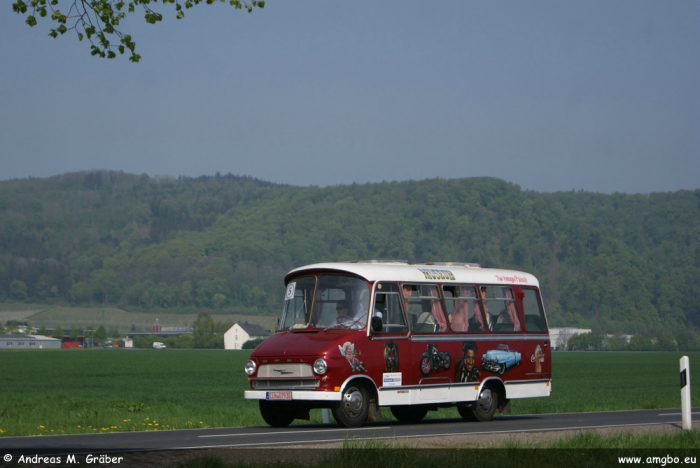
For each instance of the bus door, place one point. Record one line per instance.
(393, 336)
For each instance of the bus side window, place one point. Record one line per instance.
(388, 303)
(501, 311)
(463, 309)
(424, 308)
(534, 315)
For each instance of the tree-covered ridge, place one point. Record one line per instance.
(617, 263)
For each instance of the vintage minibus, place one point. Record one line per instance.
(356, 336)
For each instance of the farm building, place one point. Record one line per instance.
(29, 342)
(559, 337)
(239, 333)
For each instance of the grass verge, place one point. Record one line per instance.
(116, 390)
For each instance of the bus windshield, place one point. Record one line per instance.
(325, 301)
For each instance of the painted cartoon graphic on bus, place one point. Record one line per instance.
(500, 359)
(434, 360)
(466, 369)
(348, 351)
(538, 358)
(391, 357)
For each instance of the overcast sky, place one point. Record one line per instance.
(598, 95)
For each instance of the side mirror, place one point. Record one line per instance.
(376, 324)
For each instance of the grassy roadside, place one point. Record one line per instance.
(115, 390)
(585, 449)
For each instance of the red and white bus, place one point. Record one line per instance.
(357, 336)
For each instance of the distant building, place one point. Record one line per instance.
(29, 342)
(239, 333)
(559, 337)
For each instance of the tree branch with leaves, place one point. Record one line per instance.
(98, 20)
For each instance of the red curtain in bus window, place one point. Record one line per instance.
(406, 294)
(468, 291)
(436, 308)
(512, 312)
(460, 314)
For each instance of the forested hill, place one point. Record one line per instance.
(627, 263)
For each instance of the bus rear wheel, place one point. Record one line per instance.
(277, 414)
(409, 414)
(483, 408)
(352, 409)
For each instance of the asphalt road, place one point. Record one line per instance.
(298, 435)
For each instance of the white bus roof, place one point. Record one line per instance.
(423, 272)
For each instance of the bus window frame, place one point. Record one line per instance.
(404, 313)
(475, 300)
(438, 298)
(540, 304)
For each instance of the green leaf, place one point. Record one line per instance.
(19, 7)
(31, 21)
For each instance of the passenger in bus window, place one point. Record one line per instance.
(436, 310)
(503, 322)
(476, 322)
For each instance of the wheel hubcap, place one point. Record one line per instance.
(352, 402)
(485, 400)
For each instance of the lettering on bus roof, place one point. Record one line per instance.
(512, 279)
(433, 274)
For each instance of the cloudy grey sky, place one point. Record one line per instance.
(597, 95)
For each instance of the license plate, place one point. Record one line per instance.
(279, 395)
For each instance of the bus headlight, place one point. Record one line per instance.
(250, 367)
(320, 366)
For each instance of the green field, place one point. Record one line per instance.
(102, 390)
(68, 318)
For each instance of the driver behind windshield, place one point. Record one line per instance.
(346, 319)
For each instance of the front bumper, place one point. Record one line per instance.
(308, 395)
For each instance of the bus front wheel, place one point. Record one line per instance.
(483, 408)
(277, 414)
(353, 408)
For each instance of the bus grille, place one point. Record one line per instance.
(287, 370)
(285, 384)
(285, 376)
